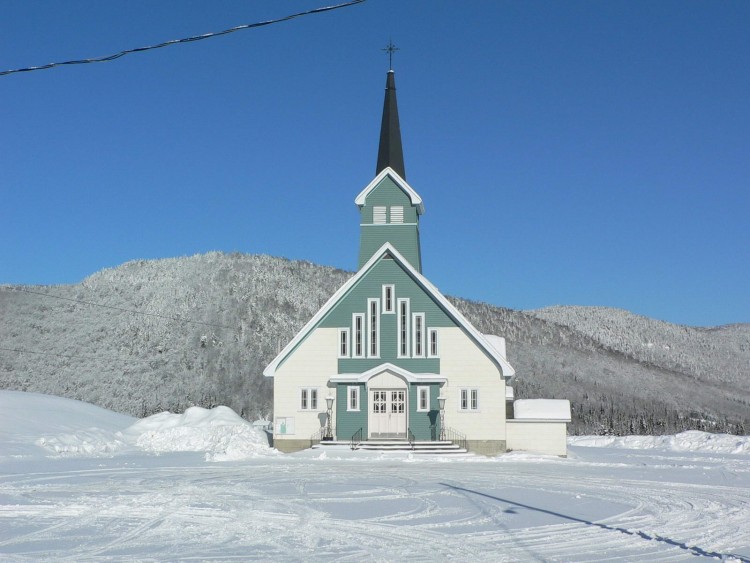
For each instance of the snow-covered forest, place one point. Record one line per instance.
(158, 335)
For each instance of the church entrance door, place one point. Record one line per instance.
(387, 413)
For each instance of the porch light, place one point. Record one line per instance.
(441, 404)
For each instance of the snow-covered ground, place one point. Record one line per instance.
(80, 483)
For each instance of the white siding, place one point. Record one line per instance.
(537, 436)
(311, 365)
(464, 364)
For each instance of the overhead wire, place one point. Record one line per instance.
(183, 40)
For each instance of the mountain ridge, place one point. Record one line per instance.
(206, 325)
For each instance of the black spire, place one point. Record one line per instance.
(390, 152)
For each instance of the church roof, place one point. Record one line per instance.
(414, 197)
(387, 249)
(390, 151)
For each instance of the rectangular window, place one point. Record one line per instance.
(397, 214)
(373, 329)
(308, 399)
(343, 343)
(388, 292)
(403, 328)
(423, 399)
(469, 399)
(378, 214)
(352, 401)
(418, 336)
(358, 322)
(433, 343)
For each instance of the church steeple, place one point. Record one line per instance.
(390, 152)
(389, 207)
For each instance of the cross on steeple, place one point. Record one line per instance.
(390, 49)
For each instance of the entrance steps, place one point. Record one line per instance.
(417, 447)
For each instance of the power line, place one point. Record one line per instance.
(121, 309)
(183, 40)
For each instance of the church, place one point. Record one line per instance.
(389, 360)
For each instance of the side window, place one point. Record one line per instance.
(469, 400)
(352, 402)
(423, 399)
(308, 399)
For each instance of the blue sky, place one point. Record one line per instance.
(576, 153)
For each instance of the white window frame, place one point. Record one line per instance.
(373, 332)
(433, 351)
(404, 336)
(418, 335)
(420, 390)
(362, 342)
(352, 391)
(468, 399)
(344, 344)
(398, 211)
(379, 214)
(389, 288)
(308, 399)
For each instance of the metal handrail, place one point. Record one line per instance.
(316, 438)
(356, 439)
(456, 437)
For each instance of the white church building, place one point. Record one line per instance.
(388, 359)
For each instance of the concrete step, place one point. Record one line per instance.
(419, 447)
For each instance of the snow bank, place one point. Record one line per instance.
(691, 440)
(30, 421)
(219, 432)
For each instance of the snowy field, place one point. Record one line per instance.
(79, 483)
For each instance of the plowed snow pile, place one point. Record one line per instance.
(71, 428)
(219, 432)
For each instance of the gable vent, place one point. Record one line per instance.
(378, 214)
(397, 214)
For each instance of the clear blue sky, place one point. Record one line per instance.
(577, 153)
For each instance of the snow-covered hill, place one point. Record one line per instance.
(158, 491)
(206, 326)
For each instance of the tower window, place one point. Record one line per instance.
(373, 306)
(418, 336)
(359, 345)
(388, 291)
(432, 343)
(403, 328)
(343, 343)
(378, 214)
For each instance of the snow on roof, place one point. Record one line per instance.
(541, 409)
(497, 342)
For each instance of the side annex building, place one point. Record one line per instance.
(393, 358)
